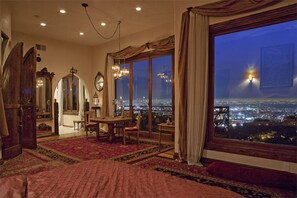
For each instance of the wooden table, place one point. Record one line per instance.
(110, 121)
(166, 128)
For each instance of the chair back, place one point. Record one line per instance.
(138, 121)
(126, 113)
(88, 115)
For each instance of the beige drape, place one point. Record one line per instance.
(194, 46)
(197, 86)
(164, 44)
(182, 74)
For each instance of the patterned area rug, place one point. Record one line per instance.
(199, 174)
(29, 162)
(72, 150)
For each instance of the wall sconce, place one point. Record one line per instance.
(251, 78)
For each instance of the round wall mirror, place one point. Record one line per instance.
(99, 82)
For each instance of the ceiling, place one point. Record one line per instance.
(28, 14)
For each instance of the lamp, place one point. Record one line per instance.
(95, 99)
(39, 83)
(118, 73)
(251, 78)
(73, 71)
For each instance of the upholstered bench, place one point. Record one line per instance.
(254, 175)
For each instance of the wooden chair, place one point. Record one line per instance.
(91, 127)
(134, 129)
(120, 126)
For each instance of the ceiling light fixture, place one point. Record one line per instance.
(85, 5)
(62, 11)
(118, 73)
(81, 33)
(43, 24)
(138, 9)
(103, 24)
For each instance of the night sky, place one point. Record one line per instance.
(269, 52)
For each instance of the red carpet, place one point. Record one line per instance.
(199, 174)
(81, 148)
(28, 162)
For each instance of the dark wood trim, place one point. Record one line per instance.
(150, 87)
(11, 152)
(130, 89)
(269, 151)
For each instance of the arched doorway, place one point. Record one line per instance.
(70, 93)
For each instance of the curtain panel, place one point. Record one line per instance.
(128, 52)
(182, 75)
(192, 132)
(232, 7)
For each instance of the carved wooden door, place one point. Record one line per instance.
(11, 98)
(28, 99)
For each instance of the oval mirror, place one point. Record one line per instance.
(99, 82)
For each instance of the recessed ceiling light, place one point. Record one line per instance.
(103, 24)
(62, 11)
(81, 33)
(138, 8)
(43, 24)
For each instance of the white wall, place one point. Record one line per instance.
(180, 7)
(59, 58)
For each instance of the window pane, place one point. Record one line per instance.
(161, 90)
(140, 91)
(122, 88)
(75, 90)
(256, 84)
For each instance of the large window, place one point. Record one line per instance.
(149, 88)
(70, 94)
(254, 86)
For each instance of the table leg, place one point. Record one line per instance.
(111, 135)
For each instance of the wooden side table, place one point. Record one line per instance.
(78, 122)
(164, 127)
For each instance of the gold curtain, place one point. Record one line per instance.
(128, 52)
(182, 74)
(232, 7)
(217, 9)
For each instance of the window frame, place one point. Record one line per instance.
(269, 151)
(70, 111)
(149, 56)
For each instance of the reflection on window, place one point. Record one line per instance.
(161, 90)
(256, 84)
(140, 91)
(122, 92)
(153, 72)
(70, 94)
